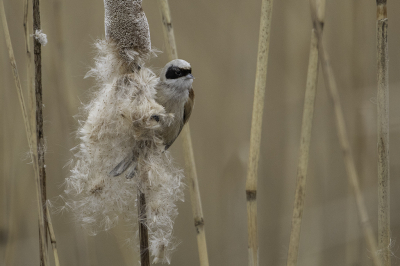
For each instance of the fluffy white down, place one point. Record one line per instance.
(41, 37)
(118, 119)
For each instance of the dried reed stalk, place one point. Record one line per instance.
(31, 90)
(187, 145)
(256, 125)
(15, 70)
(30, 134)
(143, 231)
(383, 134)
(37, 48)
(195, 196)
(169, 35)
(32, 113)
(8, 184)
(330, 83)
(26, 26)
(52, 237)
(306, 126)
(359, 140)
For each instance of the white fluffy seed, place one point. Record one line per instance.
(41, 37)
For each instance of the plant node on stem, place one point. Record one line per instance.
(256, 125)
(305, 139)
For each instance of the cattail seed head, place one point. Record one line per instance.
(117, 121)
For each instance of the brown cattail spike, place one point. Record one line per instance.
(126, 25)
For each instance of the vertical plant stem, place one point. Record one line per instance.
(52, 237)
(306, 126)
(31, 92)
(14, 69)
(383, 135)
(26, 27)
(30, 134)
(256, 126)
(11, 219)
(143, 232)
(169, 35)
(187, 145)
(195, 197)
(359, 139)
(39, 114)
(330, 83)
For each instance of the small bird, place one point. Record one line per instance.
(176, 95)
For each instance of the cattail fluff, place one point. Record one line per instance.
(40, 36)
(118, 120)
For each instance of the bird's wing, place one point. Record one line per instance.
(187, 111)
(188, 107)
(123, 165)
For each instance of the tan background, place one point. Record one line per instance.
(219, 39)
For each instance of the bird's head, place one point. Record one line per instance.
(177, 74)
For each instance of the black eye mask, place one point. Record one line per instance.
(174, 72)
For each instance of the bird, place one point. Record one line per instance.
(175, 93)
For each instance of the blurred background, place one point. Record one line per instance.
(219, 39)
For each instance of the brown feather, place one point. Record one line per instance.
(188, 107)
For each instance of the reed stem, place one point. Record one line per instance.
(143, 231)
(256, 126)
(306, 126)
(31, 91)
(187, 145)
(195, 197)
(169, 35)
(383, 134)
(52, 237)
(37, 48)
(26, 26)
(30, 134)
(8, 181)
(330, 84)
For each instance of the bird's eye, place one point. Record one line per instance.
(178, 72)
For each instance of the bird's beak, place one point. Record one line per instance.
(189, 76)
